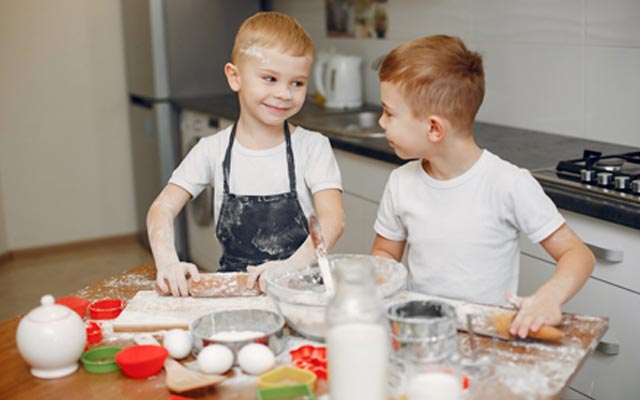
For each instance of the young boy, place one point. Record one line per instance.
(460, 208)
(268, 176)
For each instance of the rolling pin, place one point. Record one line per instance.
(229, 284)
(502, 322)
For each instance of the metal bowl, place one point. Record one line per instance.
(300, 295)
(229, 326)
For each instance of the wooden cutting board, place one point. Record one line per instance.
(148, 311)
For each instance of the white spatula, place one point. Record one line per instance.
(321, 252)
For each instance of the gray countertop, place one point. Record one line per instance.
(525, 148)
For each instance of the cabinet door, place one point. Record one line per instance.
(572, 394)
(605, 375)
(363, 176)
(358, 231)
(615, 247)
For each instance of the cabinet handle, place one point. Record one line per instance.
(608, 348)
(614, 256)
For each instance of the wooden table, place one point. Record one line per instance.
(16, 382)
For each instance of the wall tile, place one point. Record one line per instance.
(612, 23)
(613, 94)
(533, 86)
(409, 19)
(534, 56)
(540, 21)
(310, 13)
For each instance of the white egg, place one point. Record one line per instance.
(215, 359)
(178, 343)
(256, 358)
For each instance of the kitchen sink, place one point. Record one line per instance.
(360, 124)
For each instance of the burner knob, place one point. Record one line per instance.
(635, 186)
(587, 175)
(621, 182)
(604, 178)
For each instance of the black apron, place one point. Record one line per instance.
(255, 229)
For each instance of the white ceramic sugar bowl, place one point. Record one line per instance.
(51, 339)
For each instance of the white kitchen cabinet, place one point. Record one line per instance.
(363, 181)
(363, 176)
(610, 372)
(572, 394)
(616, 248)
(358, 231)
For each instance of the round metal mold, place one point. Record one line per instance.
(422, 330)
(271, 324)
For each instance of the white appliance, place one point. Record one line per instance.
(174, 48)
(203, 247)
(338, 78)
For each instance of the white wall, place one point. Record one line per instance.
(65, 163)
(569, 67)
(3, 231)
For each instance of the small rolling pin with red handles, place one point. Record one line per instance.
(228, 284)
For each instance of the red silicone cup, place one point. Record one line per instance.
(94, 332)
(107, 308)
(312, 359)
(77, 304)
(321, 372)
(141, 361)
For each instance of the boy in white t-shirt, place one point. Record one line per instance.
(459, 208)
(268, 176)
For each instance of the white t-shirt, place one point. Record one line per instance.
(462, 233)
(260, 172)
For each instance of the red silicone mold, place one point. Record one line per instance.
(77, 304)
(141, 361)
(312, 359)
(107, 308)
(94, 332)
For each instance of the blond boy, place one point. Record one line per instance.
(459, 209)
(268, 176)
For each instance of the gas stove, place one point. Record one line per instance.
(614, 176)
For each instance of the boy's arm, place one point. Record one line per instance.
(384, 247)
(171, 270)
(575, 262)
(330, 212)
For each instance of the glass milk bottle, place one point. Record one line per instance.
(357, 339)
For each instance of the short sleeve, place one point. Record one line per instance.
(388, 222)
(535, 214)
(195, 172)
(322, 171)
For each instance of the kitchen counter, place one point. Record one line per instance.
(528, 369)
(525, 148)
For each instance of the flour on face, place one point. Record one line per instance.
(255, 52)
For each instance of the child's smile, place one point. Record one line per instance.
(272, 85)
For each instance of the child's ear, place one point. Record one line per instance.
(437, 128)
(233, 79)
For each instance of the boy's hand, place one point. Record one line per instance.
(533, 312)
(176, 274)
(256, 274)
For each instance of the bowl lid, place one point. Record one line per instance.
(48, 311)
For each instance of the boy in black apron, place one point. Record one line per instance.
(268, 176)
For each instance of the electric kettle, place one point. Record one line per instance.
(338, 79)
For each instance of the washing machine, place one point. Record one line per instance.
(203, 248)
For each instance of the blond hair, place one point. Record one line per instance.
(437, 75)
(272, 30)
